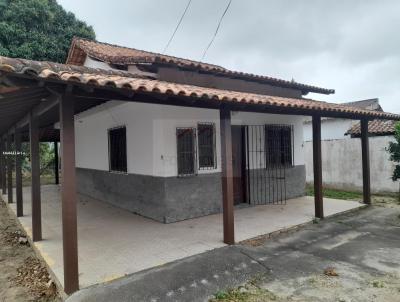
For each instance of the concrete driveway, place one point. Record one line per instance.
(113, 242)
(363, 247)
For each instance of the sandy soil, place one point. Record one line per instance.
(22, 275)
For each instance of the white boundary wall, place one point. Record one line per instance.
(342, 166)
(331, 128)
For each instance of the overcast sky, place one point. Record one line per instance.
(352, 46)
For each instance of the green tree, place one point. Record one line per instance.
(46, 153)
(38, 30)
(394, 151)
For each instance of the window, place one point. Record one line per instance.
(186, 156)
(119, 67)
(206, 145)
(117, 149)
(278, 140)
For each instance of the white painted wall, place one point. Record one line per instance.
(342, 166)
(144, 136)
(151, 134)
(330, 129)
(89, 62)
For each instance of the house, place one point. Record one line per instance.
(336, 128)
(340, 140)
(167, 138)
(174, 173)
(375, 128)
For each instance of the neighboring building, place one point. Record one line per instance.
(375, 128)
(336, 128)
(341, 140)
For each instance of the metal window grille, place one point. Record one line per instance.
(186, 151)
(117, 149)
(269, 152)
(206, 146)
(278, 145)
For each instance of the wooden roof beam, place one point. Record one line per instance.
(40, 109)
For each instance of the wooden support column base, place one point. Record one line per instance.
(365, 162)
(227, 176)
(317, 160)
(18, 174)
(68, 195)
(35, 179)
(9, 169)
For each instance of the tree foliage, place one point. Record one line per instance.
(46, 153)
(38, 29)
(394, 151)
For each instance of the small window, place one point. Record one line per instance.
(206, 145)
(117, 149)
(279, 146)
(186, 156)
(119, 67)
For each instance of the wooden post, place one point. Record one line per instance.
(35, 179)
(9, 168)
(1, 164)
(317, 160)
(227, 176)
(68, 194)
(18, 173)
(4, 165)
(56, 169)
(365, 161)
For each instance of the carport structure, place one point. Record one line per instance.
(36, 95)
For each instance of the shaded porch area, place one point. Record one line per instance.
(114, 242)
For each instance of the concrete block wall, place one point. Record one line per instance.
(266, 190)
(140, 194)
(342, 165)
(168, 199)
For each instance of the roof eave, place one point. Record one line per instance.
(215, 70)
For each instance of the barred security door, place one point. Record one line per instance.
(269, 150)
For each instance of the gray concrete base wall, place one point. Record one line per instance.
(296, 181)
(168, 199)
(140, 194)
(267, 186)
(193, 196)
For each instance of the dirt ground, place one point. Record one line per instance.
(22, 275)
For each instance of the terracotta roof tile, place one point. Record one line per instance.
(120, 55)
(123, 55)
(129, 81)
(375, 127)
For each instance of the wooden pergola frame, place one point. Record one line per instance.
(66, 96)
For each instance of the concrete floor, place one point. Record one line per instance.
(114, 242)
(363, 247)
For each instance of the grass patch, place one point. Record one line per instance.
(245, 294)
(44, 180)
(250, 292)
(336, 194)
